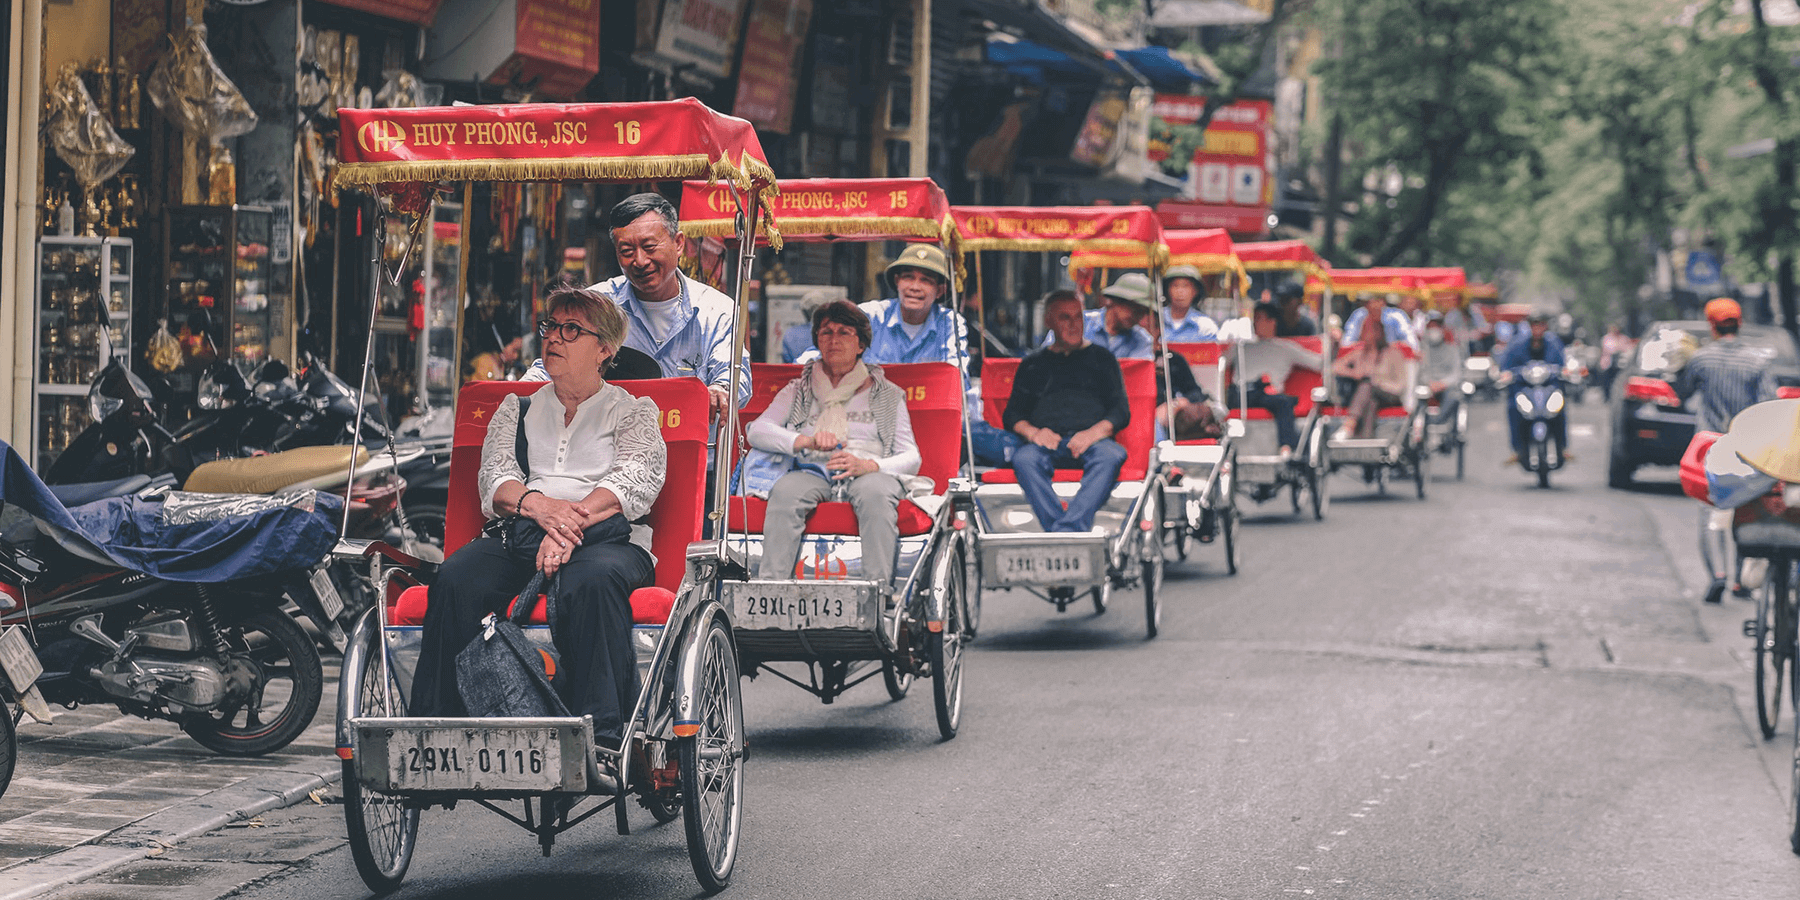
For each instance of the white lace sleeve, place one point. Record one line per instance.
(641, 462)
(499, 464)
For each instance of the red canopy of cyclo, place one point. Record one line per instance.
(660, 141)
(1207, 249)
(1426, 283)
(1127, 230)
(1284, 256)
(830, 209)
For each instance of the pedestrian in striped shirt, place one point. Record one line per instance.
(1729, 376)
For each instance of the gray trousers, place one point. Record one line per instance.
(876, 497)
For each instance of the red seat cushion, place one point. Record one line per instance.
(1199, 442)
(1008, 476)
(831, 517)
(649, 606)
(1386, 412)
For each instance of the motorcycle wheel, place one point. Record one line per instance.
(9, 747)
(426, 520)
(1540, 460)
(292, 680)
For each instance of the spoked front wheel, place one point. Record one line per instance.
(712, 762)
(945, 647)
(382, 829)
(1229, 522)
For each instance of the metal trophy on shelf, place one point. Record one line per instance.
(83, 139)
(188, 86)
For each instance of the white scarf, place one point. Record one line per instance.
(833, 400)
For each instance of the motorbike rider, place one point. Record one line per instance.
(1728, 375)
(1614, 346)
(1540, 345)
(1443, 366)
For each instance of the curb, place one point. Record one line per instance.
(130, 843)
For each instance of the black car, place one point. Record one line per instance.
(1651, 424)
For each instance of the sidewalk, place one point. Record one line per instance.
(99, 790)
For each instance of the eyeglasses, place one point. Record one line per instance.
(568, 331)
(840, 334)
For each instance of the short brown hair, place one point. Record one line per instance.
(1061, 295)
(606, 317)
(843, 312)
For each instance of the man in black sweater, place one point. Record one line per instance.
(1067, 402)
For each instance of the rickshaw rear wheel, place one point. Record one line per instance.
(1321, 492)
(712, 763)
(945, 649)
(382, 830)
(1229, 525)
(1421, 473)
(897, 682)
(1100, 599)
(1459, 459)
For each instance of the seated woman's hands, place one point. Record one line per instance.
(562, 520)
(849, 465)
(824, 440)
(552, 553)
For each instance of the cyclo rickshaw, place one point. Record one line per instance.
(1399, 450)
(1264, 475)
(1759, 481)
(1125, 547)
(1199, 473)
(843, 628)
(683, 749)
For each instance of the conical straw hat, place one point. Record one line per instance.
(1767, 438)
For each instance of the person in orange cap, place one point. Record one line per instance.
(1729, 377)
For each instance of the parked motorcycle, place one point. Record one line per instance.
(1540, 401)
(181, 621)
(127, 450)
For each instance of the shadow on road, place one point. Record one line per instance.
(1083, 632)
(839, 740)
(1655, 488)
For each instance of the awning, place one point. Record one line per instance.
(1151, 65)
(1028, 19)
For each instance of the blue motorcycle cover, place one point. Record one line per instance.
(187, 537)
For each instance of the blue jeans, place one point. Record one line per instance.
(1099, 466)
(993, 447)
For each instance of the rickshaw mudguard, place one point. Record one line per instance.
(687, 667)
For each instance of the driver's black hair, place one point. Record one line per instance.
(632, 208)
(1265, 308)
(1726, 326)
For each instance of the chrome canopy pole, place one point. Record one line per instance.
(362, 392)
(751, 204)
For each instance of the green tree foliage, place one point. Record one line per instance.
(1428, 92)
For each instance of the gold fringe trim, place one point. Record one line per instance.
(1157, 253)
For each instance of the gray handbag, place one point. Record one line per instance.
(502, 673)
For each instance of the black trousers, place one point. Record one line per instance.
(590, 625)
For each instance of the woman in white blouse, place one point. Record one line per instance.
(585, 467)
(846, 419)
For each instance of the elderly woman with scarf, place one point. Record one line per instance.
(848, 427)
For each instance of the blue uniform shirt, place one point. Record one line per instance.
(1190, 330)
(699, 345)
(1133, 344)
(1399, 330)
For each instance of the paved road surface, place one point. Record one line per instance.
(1497, 692)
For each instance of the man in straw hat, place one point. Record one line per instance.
(1729, 377)
(1115, 326)
(1181, 323)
